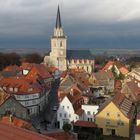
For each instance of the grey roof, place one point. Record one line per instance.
(79, 54)
(58, 19)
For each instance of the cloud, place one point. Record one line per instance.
(82, 19)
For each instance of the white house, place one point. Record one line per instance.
(70, 109)
(89, 112)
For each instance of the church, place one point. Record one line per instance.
(64, 59)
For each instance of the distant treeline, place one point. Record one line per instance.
(7, 59)
(133, 59)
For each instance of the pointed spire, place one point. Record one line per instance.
(58, 19)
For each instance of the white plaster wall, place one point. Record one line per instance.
(93, 109)
(70, 115)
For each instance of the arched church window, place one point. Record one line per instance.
(61, 44)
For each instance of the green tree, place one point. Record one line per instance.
(67, 127)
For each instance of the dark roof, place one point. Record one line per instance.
(58, 19)
(79, 54)
(85, 124)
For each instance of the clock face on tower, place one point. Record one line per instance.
(61, 53)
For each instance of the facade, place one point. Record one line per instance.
(12, 106)
(90, 112)
(101, 83)
(30, 88)
(70, 109)
(62, 58)
(115, 116)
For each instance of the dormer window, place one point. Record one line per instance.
(15, 89)
(10, 89)
(30, 89)
(4, 88)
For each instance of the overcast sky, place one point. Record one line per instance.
(87, 23)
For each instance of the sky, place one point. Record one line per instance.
(86, 23)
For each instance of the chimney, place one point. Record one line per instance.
(71, 92)
(11, 118)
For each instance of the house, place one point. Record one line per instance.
(9, 132)
(132, 90)
(70, 108)
(116, 115)
(119, 67)
(71, 83)
(134, 74)
(11, 106)
(90, 112)
(29, 92)
(102, 82)
(137, 127)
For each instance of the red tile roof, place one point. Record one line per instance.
(38, 69)
(22, 84)
(61, 135)
(12, 68)
(85, 124)
(8, 132)
(11, 120)
(122, 68)
(52, 69)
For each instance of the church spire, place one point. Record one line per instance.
(58, 19)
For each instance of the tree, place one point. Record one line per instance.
(114, 72)
(33, 58)
(67, 127)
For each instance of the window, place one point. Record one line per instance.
(60, 115)
(61, 44)
(90, 119)
(34, 102)
(107, 114)
(63, 107)
(122, 124)
(118, 115)
(26, 103)
(11, 89)
(15, 89)
(26, 96)
(107, 122)
(30, 89)
(67, 107)
(69, 115)
(4, 88)
(88, 112)
(65, 115)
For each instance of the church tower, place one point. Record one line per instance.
(59, 45)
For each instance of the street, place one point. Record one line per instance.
(45, 121)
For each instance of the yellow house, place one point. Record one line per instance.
(115, 116)
(137, 128)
